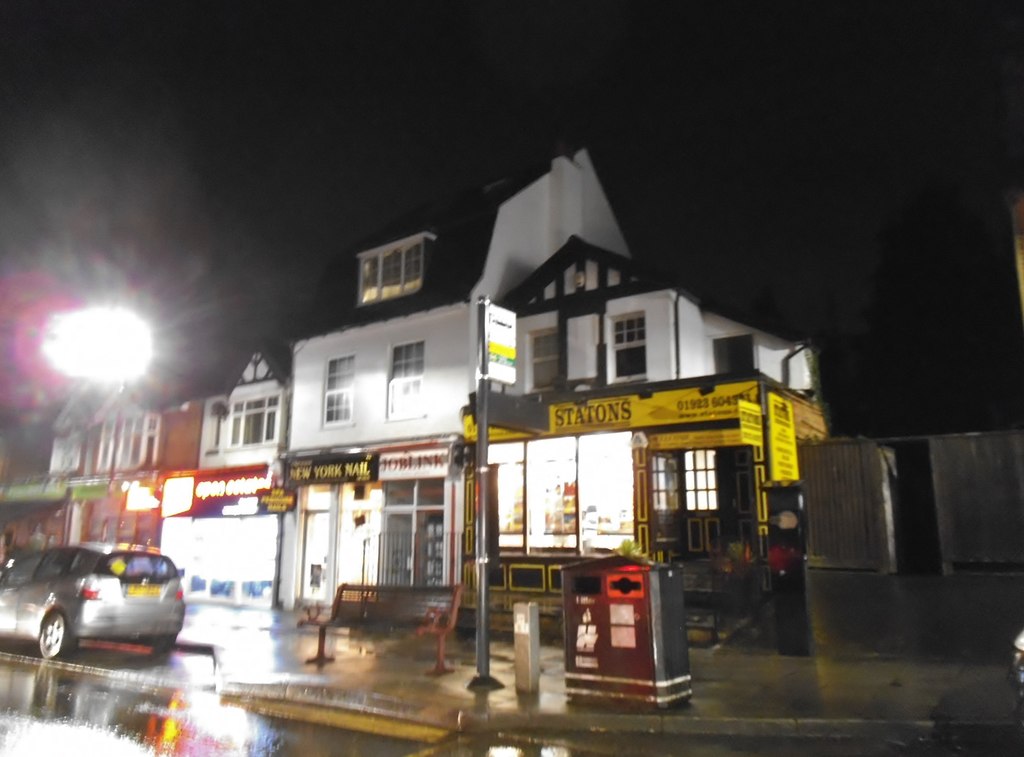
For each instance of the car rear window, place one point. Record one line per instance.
(137, 567)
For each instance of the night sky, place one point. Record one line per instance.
(202, 161)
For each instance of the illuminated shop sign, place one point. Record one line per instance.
(337, 469)
(228, 493)
(418, 463)
(693, 404)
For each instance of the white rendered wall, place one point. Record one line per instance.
(532, 225)
(657, 308)
(213, 455)
(769, 351)
(694, 352)
(583, 333)
(447, 379)
(290, 555)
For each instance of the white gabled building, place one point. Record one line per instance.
(380, 430)
(221, 524)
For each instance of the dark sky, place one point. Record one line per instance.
(203, 160)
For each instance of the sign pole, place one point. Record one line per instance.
(483, 679)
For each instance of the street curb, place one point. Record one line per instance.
(283, 699)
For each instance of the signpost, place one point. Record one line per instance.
(497, 336)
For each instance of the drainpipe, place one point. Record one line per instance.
(675, 327)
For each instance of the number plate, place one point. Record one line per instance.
(143, 590)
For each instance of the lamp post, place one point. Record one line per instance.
(106, 346)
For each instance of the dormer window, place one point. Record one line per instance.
(391, 271)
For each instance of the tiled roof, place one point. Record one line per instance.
(462, 227)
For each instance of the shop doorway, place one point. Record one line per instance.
(718, 500)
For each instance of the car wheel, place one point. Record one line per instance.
(164, 643)
(55, 637)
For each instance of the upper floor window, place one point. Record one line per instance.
(392, 272)
(406, 383)
(544, 358)
(734, 354)
(135, 438)
(254, 421)
(339, 390)
(629, 340)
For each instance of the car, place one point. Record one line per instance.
(116, 592)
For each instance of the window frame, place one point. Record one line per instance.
(348, 388)
(630, 345)
(376, 266)
(244, 409)
(535, 336)
(397, 408)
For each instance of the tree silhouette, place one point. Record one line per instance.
(944, 351)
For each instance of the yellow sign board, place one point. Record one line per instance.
(694, 404)
(751, 426)
(783, 465)
(749, 433)
(716, 437)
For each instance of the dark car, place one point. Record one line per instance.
(91, 591)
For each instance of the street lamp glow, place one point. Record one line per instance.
(99, 344)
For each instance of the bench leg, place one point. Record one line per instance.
(440, 667)
(321, 652)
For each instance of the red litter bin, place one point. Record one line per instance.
(625, 631)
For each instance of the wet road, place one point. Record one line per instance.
(46, 710)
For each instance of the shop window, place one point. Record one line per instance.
(506, 460)
(605, 490)
(629, 341)
(734, 354)
(339, 390)
(700, 479)
(551, 503)
(406, 382)
(544, 358)
(254, 421)
(393, 272)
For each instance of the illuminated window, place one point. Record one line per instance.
(392, 272)
(507, 460)
(406, 384)
(254, 421)
(701, 484)
(339, 390)
(629, 341)
(551, 507)
(606, 489)
(544, 358)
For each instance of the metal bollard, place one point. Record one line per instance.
(527, 646)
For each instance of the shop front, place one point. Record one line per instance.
(675, 471)
(383, 516)
(223, 529)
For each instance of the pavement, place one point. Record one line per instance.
(895, 656)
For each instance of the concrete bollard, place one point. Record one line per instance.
(527, 646)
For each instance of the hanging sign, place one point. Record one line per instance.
(501, 344)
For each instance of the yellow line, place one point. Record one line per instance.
(351, 721)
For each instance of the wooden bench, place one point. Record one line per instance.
(425, 609)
